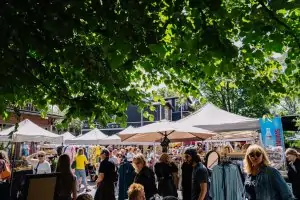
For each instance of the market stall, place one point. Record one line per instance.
(25, 137)
(68, 136)
(94, 136)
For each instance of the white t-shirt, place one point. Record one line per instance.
(130, 156)
(42, 168)
(114, 160)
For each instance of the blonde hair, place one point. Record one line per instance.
(134, 190)
(140, 158)
(85, 196)
(248, 168)
(164, 158)
(41, 153)
(291, 151)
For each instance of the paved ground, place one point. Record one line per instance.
(92, 186)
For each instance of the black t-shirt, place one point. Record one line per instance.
(187, 170)
(200, 175)
(108, 169)
(163, 170)
(146, 178)
(250, 185)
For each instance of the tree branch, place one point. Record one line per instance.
(274, 17)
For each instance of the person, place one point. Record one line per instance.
(4, 163)
(66, 187)
(113, 158)
(40, 165)
(144, 175)
(85, 196)
(186, 183)
(126, 178)
(199, 175)
(106, 178)
(80, 172)
(167, 175)
(136, 192)
(293, 158)
(129, 154)
(262, 180)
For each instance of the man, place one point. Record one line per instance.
(199, 175)
(186, 183)
(106, 178)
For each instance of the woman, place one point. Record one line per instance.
(167, 175)
(81, 161)
(4, 164)
(136, 192)
(106, 178)
(263, 182)
(66, 181)
(145, 176)
(186, 183)
(293, 158)
(40, 165)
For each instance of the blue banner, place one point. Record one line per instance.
(271, 132)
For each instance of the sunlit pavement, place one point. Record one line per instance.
(92, 187)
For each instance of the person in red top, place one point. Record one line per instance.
(4, 163)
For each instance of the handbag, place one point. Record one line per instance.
(6, 173)
(73, 166)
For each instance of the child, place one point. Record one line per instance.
(85, 197)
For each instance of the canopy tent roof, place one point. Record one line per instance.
(116, 140)
(92, 137)
(68, 136)
(212, 118)
(156, 131)
(30, 132)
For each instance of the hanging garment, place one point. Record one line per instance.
(226, 183)
(126, 178)
(164, 173)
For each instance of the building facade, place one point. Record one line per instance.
(31, 113)
(171, 111)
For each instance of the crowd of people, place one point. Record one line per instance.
(261, 182)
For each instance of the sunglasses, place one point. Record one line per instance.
(40, 156)
(253, 154)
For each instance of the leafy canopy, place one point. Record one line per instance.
(96, 57)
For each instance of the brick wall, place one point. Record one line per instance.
(45, 123)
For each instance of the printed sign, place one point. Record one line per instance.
(273, 140)
(271, 132)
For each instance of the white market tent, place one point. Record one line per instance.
(230, 126)
(30, 132)
(234, 136)
(94, 136)
(156, 131)
(116, 140)
(212, 118)
(68, 136)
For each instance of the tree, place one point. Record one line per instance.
(289, 105)
(96, 57)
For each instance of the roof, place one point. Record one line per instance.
(212, 118)
(30, 132)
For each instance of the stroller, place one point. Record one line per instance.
(91, 171)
